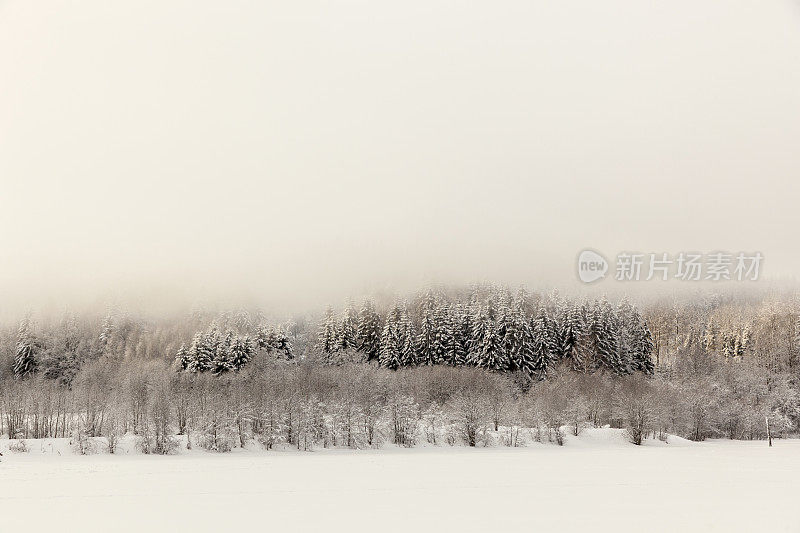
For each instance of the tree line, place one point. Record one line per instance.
(703, 367)
(491, 329)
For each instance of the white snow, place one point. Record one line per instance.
(596, 482)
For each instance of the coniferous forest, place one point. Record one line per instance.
(477, 366)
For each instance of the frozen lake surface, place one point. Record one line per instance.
(595, 483)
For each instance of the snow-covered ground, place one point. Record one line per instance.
(596, 482)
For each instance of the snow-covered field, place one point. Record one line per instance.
(596, 482)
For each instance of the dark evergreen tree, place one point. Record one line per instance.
(628, 324)
(520, 340)
(240, 352)
(328, 334)
(408, 348)
(575, 339)
(347, 338)
(426, 339)
(557, 312)
(488, 349)
(606, 331)
(467, 334)
(390, 355)
(635, 339)
(643, 361)
(270, 339)
(542, 343)
(369, 330)
(26, 350)
(183, 358)
(462, 334)
(203, 351)
(223, 358)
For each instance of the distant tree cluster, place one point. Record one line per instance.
(217, 352)
(489, 328)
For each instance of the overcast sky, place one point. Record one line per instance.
(304, 151)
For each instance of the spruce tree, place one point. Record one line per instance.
(520, 341)
(271, 339)
(607, 341)
(407, 341)
(488, 349)
(328, 338)
(369, 331)
(557, 324)
(505, 329)
(644, 350)
(570, 331)
(462, 334)
(223, 358)
(26, 350)
(628, 324)
(204, 350)
(426, 339)
(107, 329)
(240, 352)
(390, 340)
(347, 337)
(182, 358)
(444, 340)
(542, 344)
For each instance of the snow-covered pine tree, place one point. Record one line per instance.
(240, 352)
(643, 359)
(461, 321)
(571, 330)
(426, 338)
(505, 328)
(607, 338)
(389, 355)
(242, 321)
(480, 326)
(520, 340)
(444, 340)
(108, 328)
(557, 318)
(408, 348)
(466, 329)
(204, 350)
(328, 333)
(584, 353)
(348, 330)
(542, 344)
(635, 340)
(628, 322)
(25, 356)
(182, 358)
(192, 361)
(223, 358)
(271, 339)
(489, 351)
(744, 342)
(369, 330)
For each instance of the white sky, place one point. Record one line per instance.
(306, 150)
